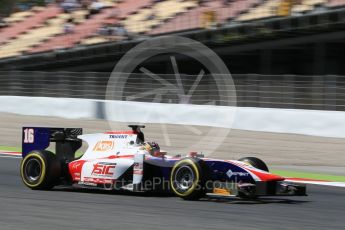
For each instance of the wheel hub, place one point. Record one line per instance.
(184, 178)
(33, 170)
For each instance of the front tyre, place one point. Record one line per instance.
(187, 179)
(40, 170)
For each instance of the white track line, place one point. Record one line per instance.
(325, 183)
(9, 156)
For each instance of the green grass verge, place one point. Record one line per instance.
(315, 176)
(10, 149)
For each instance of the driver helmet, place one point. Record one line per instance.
(152, 147)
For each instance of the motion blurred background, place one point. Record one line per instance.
(267, 43)
(284, 54)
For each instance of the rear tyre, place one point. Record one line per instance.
(40, 170)
(255, 162)
(188, 179)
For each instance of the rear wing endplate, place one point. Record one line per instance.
(39, 138)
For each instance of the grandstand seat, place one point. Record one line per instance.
(35, 36)
(267, 9)
(193, 18)
(108, 3)
(307, 5)
(17, 17)
(145, 19)
(90, 26)
(189, 20)
(79, 16)
(94, 40)
(20, 16)
(32, 21)
(235, 9)
(336, 3)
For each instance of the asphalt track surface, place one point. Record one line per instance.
(21, 208)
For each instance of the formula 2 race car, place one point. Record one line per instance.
(122, 160)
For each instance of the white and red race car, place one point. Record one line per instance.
(123, 160)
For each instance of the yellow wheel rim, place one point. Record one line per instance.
(43, 169)
(190, 163)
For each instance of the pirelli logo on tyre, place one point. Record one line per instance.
(104, 146)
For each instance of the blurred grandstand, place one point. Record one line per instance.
(70, 23)
(267, 41)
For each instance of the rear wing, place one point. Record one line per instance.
(39, 138)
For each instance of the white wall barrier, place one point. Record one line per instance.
(296, 121)
(47, 106)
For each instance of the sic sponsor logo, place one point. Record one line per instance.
(103, 146)
(103, 169)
